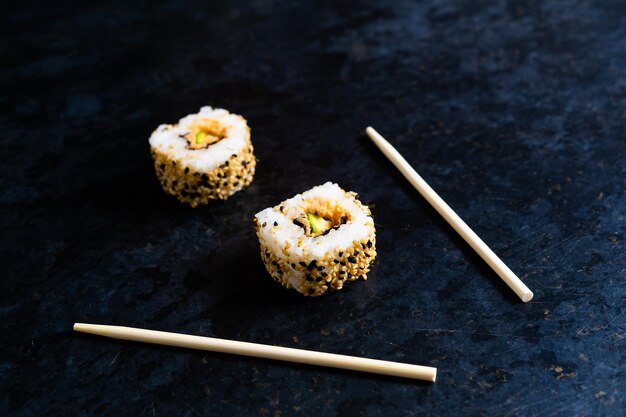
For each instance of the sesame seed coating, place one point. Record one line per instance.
(314, 282)
(196, 188)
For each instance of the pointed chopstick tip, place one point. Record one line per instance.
(90, 328)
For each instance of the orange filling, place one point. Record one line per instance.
(205, 132)
(320, 216)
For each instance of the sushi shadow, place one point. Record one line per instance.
(474, 259)
(131, 192)
(241, 279)
(240, 294)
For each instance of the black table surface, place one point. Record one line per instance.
(515, 112)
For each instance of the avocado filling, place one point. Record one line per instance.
(204, 133)
(318, 224)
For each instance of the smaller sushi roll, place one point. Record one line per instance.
(317, 241)
(205, 156)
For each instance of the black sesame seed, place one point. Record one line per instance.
(196, 174)
(293, 266)
(275, 223)
(187, 170)
(324, 274)
(340, 254)
(341, 272)
(369, 243)
(226, 163)
(274, 263)
(162, 166)
(342, 263)
(204, 177)
(302, 263)
(234, 155)
(356, 252)
(235, 184)
(321, 267)
(309, 278)
(366, 254)
(312, 265)
(352, 259)
(318, 279)
(336, 261)
(349, 275)
(363, 245)
(264, 224)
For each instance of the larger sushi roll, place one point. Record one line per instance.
(317, 241)
(205, 156)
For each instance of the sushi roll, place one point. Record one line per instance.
(317, 241)
(205, 156)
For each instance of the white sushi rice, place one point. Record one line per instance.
(168, 139)
(315, 246)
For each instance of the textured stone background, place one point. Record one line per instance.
(514, 111)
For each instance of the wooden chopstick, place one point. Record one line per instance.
(309, 357)
(451, 217)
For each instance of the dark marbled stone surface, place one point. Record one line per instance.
(513, 111)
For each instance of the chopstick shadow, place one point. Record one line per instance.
(474, 259)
